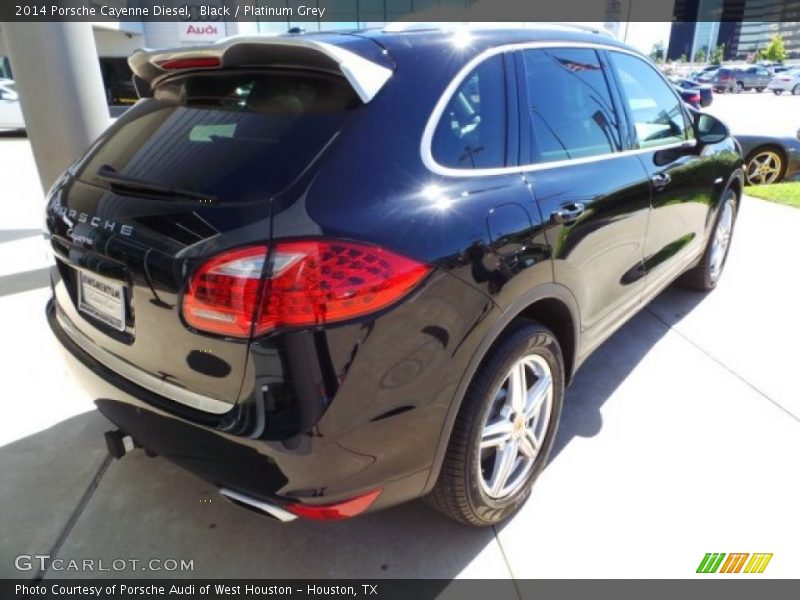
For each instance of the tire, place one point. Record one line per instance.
(739, 87)
(462, 491)
(777, 92)
(706, 274)
(776, 160)
(759, 90)
(796, 90)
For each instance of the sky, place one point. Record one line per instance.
(642, 36)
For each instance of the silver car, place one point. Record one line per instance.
(788, 81)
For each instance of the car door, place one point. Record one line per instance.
(593, 197)
(681, 179)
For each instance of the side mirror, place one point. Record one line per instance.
(708, 129)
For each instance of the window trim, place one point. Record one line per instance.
(433, 120)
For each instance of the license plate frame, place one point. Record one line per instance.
(102, 299)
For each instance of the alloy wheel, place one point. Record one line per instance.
(764, 168)
(722, 240)
(796, 90)
(515, 427)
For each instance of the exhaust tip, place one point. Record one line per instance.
(259, 506)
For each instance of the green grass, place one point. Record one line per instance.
(782, 193)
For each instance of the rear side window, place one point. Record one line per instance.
(471, 133)
(241, 136)
(656, 111)
(570, 107)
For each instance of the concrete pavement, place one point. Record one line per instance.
(680, 436)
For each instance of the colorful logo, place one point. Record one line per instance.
(713, 562)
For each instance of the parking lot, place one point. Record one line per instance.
(753, 112)
(680, 436)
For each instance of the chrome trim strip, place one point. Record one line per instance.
(271, 509)
(139, 377)
(441, 104)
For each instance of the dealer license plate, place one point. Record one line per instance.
(102, 298)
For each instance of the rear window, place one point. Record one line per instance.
(471, 133)
(242, 136)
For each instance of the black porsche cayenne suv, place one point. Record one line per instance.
(330, 273)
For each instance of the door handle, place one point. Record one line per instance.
(568, 213)
(660, 180)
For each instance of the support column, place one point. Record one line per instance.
(61, 91)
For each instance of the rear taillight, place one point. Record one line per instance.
(695, 98)
(190, 62)
(223, 293)
(310, 282)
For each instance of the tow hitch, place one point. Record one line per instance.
(118, 443)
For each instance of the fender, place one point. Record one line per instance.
(711, 216)
(545, 291)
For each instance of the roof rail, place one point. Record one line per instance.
(404, 26)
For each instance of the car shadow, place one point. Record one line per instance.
(143, 508)
(610, 364)
(59, 485)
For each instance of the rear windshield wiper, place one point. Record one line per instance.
(147, 188)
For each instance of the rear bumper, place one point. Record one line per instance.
(272, 471)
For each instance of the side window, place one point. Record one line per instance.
(570, 107)
(471, 133)
(656, 111)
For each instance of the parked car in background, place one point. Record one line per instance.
(769, 159)
(788, 81)
(703, 89)
(690, 96)
(10, 111)
(723, 80)
(330, 275)
(752, 78)
(706, 75)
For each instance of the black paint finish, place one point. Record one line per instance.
(324, 414)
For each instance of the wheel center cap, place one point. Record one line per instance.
(519, 426)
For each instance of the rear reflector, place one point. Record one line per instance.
(309, 282)
(190, 62)
(337, 511)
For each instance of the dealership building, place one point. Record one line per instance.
(744, 26)
(115, 41)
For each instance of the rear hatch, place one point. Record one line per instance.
(179, 178)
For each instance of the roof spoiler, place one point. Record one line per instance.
(365, 76)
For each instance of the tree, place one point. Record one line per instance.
(776, 50)
(700, 55)
(718, 54)
(683, 58)
(657, 52)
